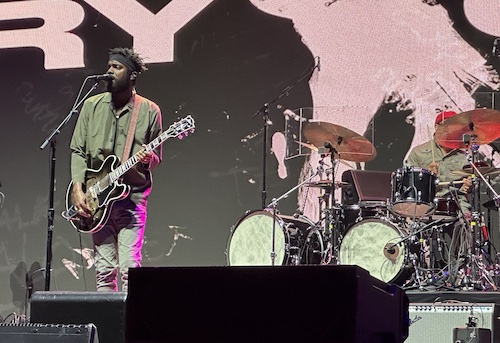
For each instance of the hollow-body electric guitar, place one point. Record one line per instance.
(103, 186)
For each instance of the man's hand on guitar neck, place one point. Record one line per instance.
(144, 156)
(80, 200)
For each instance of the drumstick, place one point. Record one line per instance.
(450, 183)
(431, 137)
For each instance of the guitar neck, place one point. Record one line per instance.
(132, 161)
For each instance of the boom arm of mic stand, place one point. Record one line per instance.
(275, 201)
(402, 240)
(57, 130)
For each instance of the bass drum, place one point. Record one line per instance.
(372, 244)
(250, 242)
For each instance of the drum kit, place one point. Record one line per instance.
(389, 223)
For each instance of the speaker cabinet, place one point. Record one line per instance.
(367, 187)
(435, 323)
(104, 309)
(40, 333)
(341, 304)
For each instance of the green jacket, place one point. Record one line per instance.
(422, 155)
(101, 131)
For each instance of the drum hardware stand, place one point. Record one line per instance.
(477, 239)
(273, 205)
(331, 211)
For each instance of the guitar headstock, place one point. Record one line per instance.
(182, 128)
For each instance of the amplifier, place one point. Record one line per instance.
(48, 333)
(435, 322)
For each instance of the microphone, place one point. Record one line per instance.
(495, 47)
(390, 249)
(319, 64)
(100, 77)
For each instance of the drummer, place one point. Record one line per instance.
(442, 161)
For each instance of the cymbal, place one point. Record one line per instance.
(309, 146)
(491, 205)
(328, 184)
(482, 125)
(349, 145)
(483, 167)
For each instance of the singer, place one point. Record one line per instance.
(105, 122)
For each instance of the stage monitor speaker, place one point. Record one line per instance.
(434, 323)
(40, 333)
(341, 304)
(104, 309)
(366, 186)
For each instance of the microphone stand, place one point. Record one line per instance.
(264, 111)
(50, 215)
(274, 204)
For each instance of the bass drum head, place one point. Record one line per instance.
(367, 244)
(251, 243)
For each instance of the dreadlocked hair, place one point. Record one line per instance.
(133, 56)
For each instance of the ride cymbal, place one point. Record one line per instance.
(349, 145)
(483, 167)
(481, 126)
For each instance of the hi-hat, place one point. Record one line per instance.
(481, 126)
(314, 148)
(328, 184)
(350, 146)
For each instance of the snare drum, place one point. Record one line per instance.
(446, 210)
(376, 245)
(251, 240)
(413, 192)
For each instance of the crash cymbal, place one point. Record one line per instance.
(328, 184)
(349, 145)
(481, 125)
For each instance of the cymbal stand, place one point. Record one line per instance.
(328, 207)
(478, 239)
(274, 204)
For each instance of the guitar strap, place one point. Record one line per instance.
(131, 127)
